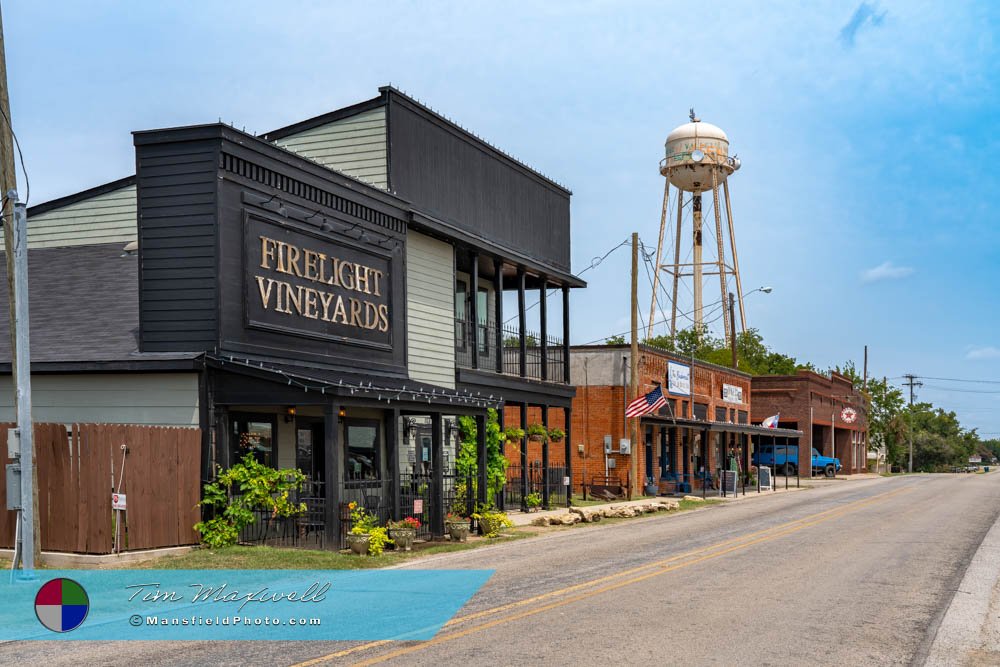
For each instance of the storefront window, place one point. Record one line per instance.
(363, 461)
(254, 435)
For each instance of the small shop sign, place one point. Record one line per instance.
(732, 394)
(849, 415)
(678, 379)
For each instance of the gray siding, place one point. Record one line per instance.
(163, 399)
(355, 146)
(106, 218)
(430, 319)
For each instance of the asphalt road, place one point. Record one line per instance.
(853, 573)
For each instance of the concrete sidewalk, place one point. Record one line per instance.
(969, 634)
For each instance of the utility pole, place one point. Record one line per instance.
(16, 252)
(634, 361)
(911, 382)
(864, 386)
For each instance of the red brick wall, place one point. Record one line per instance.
(598, 410)
(793, 395)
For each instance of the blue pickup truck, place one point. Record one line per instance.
(786, 459)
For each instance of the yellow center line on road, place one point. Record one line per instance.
(659, 567)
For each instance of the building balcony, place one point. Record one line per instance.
(500, 350)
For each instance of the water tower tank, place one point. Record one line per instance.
(693, 149)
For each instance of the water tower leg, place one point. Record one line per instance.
(696, 287)
(677, 263)
(659, 252)
(722, 255)
(736, 261)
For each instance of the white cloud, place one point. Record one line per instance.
(986, 352)
(885, 271)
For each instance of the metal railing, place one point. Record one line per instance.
(486, 358)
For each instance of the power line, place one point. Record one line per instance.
(596, 261)
(20, 154)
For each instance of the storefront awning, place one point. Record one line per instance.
(721, 427)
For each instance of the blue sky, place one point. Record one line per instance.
(867, 199)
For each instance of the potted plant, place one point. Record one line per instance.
(362, 523)
(533, 501)
(403, 532)
(537, 432)
(492, 521)
(513, 434)
(556, 434)
(457, 526)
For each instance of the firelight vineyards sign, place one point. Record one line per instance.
(306, 285)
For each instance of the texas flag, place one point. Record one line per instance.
(771, 422)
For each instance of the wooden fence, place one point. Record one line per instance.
(75, 468)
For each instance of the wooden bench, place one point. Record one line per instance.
(607, 487)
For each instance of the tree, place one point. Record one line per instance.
(752, 355)
(886, 425)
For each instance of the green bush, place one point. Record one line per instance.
(237, 493)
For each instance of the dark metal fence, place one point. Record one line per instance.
(511, 498)
(307, 530)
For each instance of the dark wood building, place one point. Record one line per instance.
(328, 296)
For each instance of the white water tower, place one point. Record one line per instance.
(697, 160)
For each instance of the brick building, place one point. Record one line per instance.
(680, 447)
(830, 412)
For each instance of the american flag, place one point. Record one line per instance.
(645, 404)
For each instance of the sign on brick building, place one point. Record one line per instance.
(678, 379)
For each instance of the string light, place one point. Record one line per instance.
(386, 394)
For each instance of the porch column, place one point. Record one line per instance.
(437, 476)
(332, 473)
(545, 454)
(474, 310)
(392, 462)
(524, 448)
(543, 318)
(568, 442)
(498, 311)
(565, 332)
(522, 342)
(705, 463)
(482, 491)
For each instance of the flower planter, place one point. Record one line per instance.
(403, 537)
(458, 531)
(358, 543)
